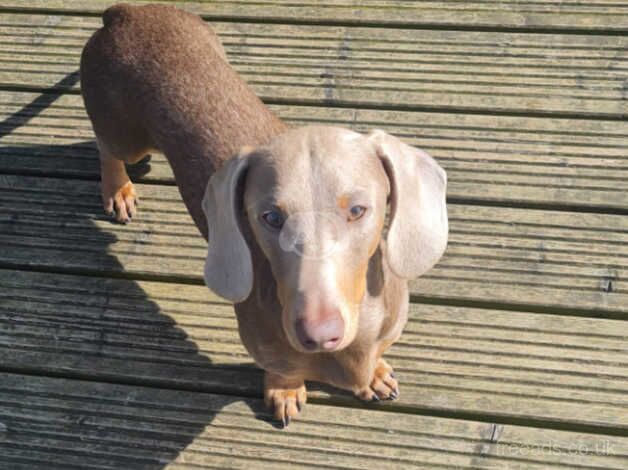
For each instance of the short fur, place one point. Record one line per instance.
(155, 77)
(315, 174)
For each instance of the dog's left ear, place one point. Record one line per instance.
(418, 231)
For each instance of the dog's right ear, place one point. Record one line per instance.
(228, 266)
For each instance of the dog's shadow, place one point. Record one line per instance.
(96, 325)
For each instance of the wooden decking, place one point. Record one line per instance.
(113, 354)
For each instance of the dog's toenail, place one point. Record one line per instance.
(393, 395)
(375, 398)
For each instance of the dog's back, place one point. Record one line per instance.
(155, 77)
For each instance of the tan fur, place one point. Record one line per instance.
(353, 285)
(343, 202)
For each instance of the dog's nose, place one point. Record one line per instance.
(323, 333)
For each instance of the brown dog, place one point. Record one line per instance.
(295, 221)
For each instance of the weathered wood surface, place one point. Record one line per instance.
(411, 69)
(523, 321)
(60, 424)
(562, 162)
(457, 360)
(592, 15)
(554, 259)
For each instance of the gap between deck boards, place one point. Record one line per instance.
(470, 201)
(444, 301)
(425, 26)
(62, 90)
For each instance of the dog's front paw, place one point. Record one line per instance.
(120, 202)
(383, 385)
(286, 397)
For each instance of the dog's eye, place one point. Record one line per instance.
(273, 218)
(356, 212)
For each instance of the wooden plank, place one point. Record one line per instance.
(55, 423)
(596, 15)
(528, 257)
(574, 163)
(514, 365)
(369, 67)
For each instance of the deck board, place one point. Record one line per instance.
(514, 256)
(69, 423)
(449, 359)
(367, 67)
(592, 15)
(561, 162)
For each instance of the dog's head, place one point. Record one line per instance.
(315, 199)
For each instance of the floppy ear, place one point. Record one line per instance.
(228, 266)
(418, 230)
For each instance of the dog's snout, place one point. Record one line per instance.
(312, 235)
(322, 333)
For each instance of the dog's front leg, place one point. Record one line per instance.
(286, 396)
(383, 385)
(117, 191)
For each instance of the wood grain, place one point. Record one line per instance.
(114, 355)
(60, 423)
(577, 75)
(514, 365)
(533, 258)
(595, 15)
(560, 162)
